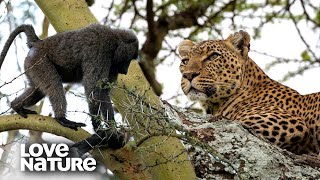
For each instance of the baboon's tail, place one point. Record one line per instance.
(31, 38)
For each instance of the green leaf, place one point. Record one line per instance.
(305, 56)
(317, 18)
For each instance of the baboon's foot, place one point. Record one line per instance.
(23, 112)
(107, 138)
(70, 124)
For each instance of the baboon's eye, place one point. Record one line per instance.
(213, 56)
(184, 61)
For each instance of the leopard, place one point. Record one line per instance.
(220, 75)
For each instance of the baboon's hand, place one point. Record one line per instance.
(23, 112)
(70, 124)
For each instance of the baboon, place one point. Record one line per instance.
(92, 56)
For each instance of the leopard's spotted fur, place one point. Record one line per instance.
(220, 75)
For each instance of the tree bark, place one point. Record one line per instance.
(229, 151)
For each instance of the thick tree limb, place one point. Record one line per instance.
(244, 155)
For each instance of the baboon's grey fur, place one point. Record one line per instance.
(92, 55)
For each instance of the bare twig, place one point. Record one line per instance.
(299, 32)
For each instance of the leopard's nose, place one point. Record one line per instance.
(190, 75)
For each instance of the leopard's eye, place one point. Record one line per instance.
(184, 61)
(214, 56)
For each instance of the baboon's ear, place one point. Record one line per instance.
(184, 47)
(241, 42)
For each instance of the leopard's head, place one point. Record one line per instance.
(213, 70)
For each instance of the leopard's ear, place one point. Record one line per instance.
(241, 42)
(184, 47)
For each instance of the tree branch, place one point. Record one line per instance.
(299, 32)
(124, 162)
(307, 14)
(238, 153)
(150, 20)
(40, 123)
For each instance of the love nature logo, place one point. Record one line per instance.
(52, 157)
